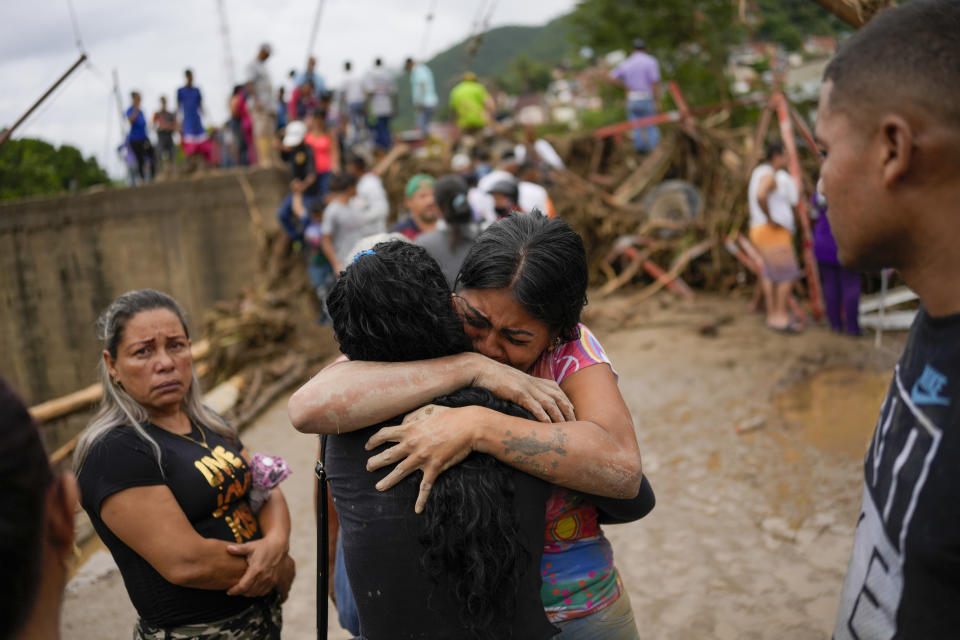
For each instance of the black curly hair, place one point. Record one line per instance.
(395, 305)
(540, 260)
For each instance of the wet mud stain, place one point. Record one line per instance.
(834, 410)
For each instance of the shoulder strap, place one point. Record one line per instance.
(323, 560)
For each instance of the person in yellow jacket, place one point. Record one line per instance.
(471, 104)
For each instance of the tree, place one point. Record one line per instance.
(31, 167)
(525, 75)
(690, 38)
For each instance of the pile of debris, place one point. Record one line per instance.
(663, 220)
(266, 340)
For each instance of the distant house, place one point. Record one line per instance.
(820, 46)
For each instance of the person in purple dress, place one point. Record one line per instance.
(841, 287)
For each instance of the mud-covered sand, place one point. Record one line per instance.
(751, 532)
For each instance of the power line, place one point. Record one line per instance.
(426, 32)
(76, 26)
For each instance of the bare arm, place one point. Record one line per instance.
(347, 396)
(326, 245)
(597, 453)
(150, 521)
(768, 185)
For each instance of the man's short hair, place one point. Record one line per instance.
(340, 182)
(772, 150)
(907, 55)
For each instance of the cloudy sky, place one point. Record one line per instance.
(150, 43)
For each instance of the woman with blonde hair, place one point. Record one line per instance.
(165, 481)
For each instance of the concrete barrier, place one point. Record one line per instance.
(63, 259)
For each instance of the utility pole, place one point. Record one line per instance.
(6, 134)
(313, 32)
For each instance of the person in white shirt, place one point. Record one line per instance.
(382, 90)
(354, 96)
(371, 199)
(264, 114)
(771, 195)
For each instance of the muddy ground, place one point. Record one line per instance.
(752, 530)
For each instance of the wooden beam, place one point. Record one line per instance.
(793, 162)
(58, 407)
(856, 13)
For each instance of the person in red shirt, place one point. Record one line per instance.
(326, 151)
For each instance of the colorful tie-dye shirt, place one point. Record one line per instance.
(577, 567)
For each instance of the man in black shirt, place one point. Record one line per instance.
(295, 208)
(889, 130)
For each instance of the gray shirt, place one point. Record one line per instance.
(344, 225)
(437, 244)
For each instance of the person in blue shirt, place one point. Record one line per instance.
(193, 136)
(311, 74)
(138, 140)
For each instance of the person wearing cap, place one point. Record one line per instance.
(471, 104)
(303, 187)
(449, 245)
(264, 115)
(424, 214)
(506, 197)
(482, 201)
(639, 75)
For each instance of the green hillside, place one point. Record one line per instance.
(548, 45)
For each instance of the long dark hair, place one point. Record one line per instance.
(393, 304)
(25, 476)
(541, 261)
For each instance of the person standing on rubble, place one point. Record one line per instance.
(424, 93)
(382, 90)
(639, 75)
(263, 112)
(888, 129)
(771, 196)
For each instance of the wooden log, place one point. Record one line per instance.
(651, 170)
(64, 405)
(673, 284)
(637, 258)
(681, 263)
(856, 13)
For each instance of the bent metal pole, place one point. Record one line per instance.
(6, 134)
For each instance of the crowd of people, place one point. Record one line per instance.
(478, 440)
(360, 111)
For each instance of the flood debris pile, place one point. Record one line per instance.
(266, 340)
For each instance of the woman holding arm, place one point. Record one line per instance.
(165, 482)
(521, 290)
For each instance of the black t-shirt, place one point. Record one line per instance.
(303, 166)
(396, 599)
(904, 575)
(211, 486)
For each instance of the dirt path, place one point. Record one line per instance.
(751, 532)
